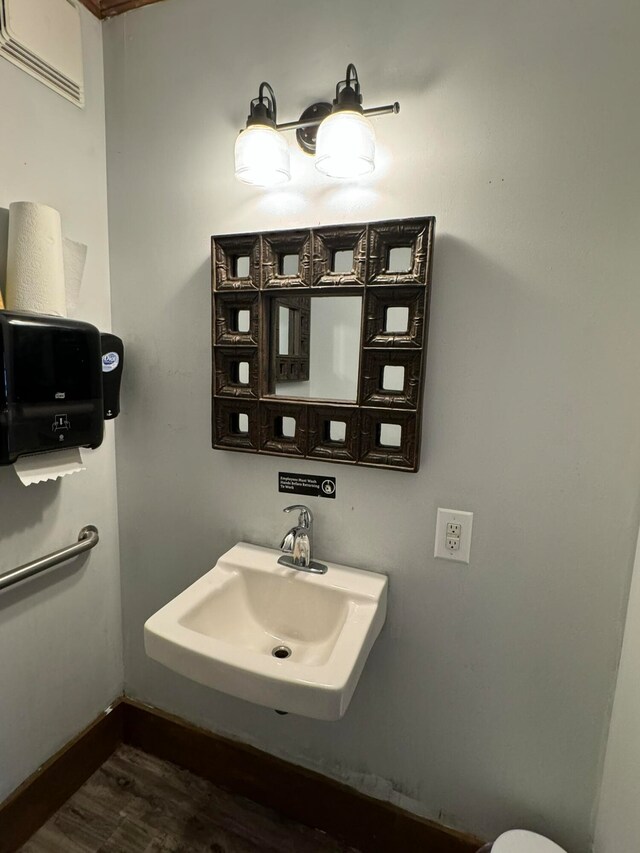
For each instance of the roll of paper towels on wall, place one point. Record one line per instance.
(35, 260)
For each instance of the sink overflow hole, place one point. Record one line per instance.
(281, 652)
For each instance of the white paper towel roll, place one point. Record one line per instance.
(35, 262)
(49, 466)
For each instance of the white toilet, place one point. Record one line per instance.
(521, 841)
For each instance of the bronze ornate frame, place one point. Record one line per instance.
(247, 416)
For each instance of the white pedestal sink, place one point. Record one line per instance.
(272, 635)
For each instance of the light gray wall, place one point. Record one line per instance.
(60, 634)
(618, 822)
(485, 702)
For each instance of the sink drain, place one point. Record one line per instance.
(281, 652)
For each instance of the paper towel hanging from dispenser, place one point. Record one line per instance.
(51, 397)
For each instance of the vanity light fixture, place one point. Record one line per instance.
(340, 136)
(261, 153)
(346, 142)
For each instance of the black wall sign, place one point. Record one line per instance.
(307, 484)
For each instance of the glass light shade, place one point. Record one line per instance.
(345, 145)
(262, 157)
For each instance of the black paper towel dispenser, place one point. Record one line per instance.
(51, 384)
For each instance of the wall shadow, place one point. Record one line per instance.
(23, 507)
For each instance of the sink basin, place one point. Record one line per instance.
(272, 635)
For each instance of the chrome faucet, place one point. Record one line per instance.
(297, 543)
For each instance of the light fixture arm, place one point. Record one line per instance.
(314, 122)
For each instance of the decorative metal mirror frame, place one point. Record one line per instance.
(246, 415)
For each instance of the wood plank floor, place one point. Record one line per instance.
(138, 804)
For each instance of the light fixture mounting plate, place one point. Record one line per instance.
(306, 136)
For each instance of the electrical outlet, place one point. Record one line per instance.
(453, 535)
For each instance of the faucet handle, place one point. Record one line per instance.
(305, 518)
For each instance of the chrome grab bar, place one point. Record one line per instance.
(87, 539)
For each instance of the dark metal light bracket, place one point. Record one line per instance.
(306, 135)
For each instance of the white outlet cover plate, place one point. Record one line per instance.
(465, 520)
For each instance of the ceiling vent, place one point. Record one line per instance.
(43, 37)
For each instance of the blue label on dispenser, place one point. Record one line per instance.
(110, 360)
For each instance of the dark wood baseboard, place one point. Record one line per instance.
(372, 826)
(42, 794)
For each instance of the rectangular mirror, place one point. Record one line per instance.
(283, 329)
(243, 321)
(287, 427)
(243, 373)
(337, 431)
(318, 347)
(396, 319)
(241, 268)
(342, 261)
(399, 259)
(390, 435)
(392, 378)
(239, 424)
(288, 265)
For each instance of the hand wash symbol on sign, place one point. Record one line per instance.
(328, 487)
